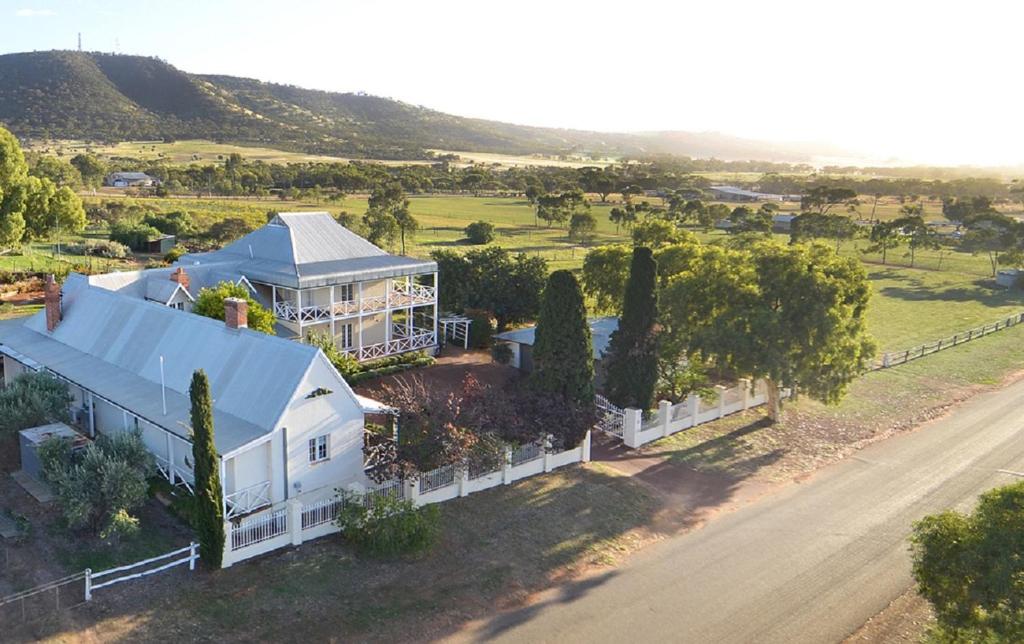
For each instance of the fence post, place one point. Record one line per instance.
(694, 402)
(665, 416)
(412, 490)
(295, 521)
(463, 474)
(721, 399)
(745, 384)
(631, 427)
(506, 471)
(885, 361)
(585, 448)
(229, 542)
(88, 584)
(192, 555)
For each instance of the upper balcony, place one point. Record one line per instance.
(302, 306)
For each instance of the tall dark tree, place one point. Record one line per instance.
(632, 356)
(209, 519)
(563, 362)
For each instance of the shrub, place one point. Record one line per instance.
(134, 235)
(480, 329)
(502, 353)
(210, 303)
(97, 486)
(99, 248)
(480, 232)
(33, 399)
(388, 526)
(175, 254)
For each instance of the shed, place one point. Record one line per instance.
(161, 245)
(521, 341)
(33, 437)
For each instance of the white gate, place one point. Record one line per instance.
(609, 417)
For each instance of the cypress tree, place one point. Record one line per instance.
(563, 360)
(209, 515)
(632, 363)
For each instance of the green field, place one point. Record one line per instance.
(910, 306)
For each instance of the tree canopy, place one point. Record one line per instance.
(632, 360)
(562, 351)
(793, 315)
(969, 567)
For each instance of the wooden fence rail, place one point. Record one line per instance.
(893, 358)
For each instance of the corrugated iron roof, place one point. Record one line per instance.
(306, 250)
(113, 343)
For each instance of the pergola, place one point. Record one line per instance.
(455, 327)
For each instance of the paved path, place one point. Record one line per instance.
(809, 564)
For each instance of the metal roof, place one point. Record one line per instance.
(111, 344)
(307, 250)
(130, 175)
(163, 290)
(601, 330)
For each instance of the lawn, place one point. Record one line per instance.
(496, 547)
(882, 402)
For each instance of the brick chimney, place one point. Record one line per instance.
(236, 313)
(51, 296)
(181, 277)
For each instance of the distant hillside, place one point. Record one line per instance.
(111, 98)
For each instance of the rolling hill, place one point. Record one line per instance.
(114, 97)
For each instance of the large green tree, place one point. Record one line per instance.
(494, 280)
(792, 315)
(388, 216)
(971, 569)
(32, 399)
(563, 361)
(209, 516)
(632, 360)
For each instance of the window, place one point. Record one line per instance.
(344, 339)
(343, 293)
(318, 449)
(178, 305)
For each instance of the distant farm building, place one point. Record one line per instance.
(732, 193)
(162, 244)
(131, 180)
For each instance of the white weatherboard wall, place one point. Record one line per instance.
(335, 414)
(282, 525)
(691, 412)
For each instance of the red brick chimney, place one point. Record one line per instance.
(181, 277)
(51, 296)
(236, 313)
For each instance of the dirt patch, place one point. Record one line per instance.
(905, 620)
(448, 372)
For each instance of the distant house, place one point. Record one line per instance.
(131, 180)
(732, 193)
(521, 341)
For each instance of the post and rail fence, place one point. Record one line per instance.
(67, 592)
(893, 358)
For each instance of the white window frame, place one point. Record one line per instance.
(320, 449)
(345, 294)
(346, 336)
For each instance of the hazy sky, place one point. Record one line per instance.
(924, 81)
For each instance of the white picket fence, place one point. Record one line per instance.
(691, 412)
(308, 517)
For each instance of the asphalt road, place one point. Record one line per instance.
(809, 564)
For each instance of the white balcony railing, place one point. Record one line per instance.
(248, 499)
(413, 342)
(401, 295)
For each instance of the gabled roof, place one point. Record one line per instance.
(112, 344)
(163, 291)
(308, 249)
